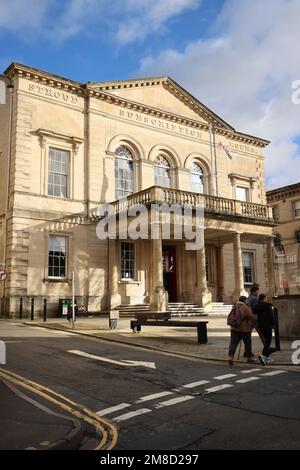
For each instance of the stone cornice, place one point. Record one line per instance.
(44, 134)
(283, 193)
(46, 78)
(96, 90)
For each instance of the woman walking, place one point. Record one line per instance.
(241, 330)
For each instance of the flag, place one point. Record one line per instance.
(221, 146)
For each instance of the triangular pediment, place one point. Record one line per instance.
(164, 94)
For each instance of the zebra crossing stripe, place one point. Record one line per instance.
(153, 396)
(132, 414)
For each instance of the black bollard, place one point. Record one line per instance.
(32, 310)
(21, 309)
(276, 330)
(45, 310)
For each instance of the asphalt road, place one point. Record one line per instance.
(167, 402)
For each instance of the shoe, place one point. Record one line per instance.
(262, 359)
(269, 360)
(230, 362)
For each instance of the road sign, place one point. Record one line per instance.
(3, 275)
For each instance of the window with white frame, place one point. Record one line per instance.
(296, 209)
(127, 260)
(58, 169)
(162, 172)
(242, 193)
(124, 172)
(248, 267)
(196, 178)
(57, 256)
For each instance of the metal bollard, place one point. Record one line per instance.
(45, 310)
(276, 330)
(32, 310)
(21, 309)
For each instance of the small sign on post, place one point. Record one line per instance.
(113, 319)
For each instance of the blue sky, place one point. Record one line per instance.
(239, 57)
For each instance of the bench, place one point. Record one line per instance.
(136, 326)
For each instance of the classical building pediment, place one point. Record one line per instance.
(162, 93)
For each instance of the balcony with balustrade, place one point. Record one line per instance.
(214, 206)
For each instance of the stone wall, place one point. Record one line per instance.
(289, 315)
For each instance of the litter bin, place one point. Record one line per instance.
(113, 319)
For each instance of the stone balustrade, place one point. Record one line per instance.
(212, 204)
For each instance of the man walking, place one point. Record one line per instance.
(265, 322)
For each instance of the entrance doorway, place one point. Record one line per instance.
(169, 271)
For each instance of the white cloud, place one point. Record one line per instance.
(123, 20)
(18, 15)
(245, 74)
(148, 16)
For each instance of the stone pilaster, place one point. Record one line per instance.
(238, 268)
(270, 269)
(204, 297)
(114, 299)
(158, 294)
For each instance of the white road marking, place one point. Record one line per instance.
(274, 372)
(196, 384)
(248, 379)
(153, 396)
(173, 401)
(112, 409)
(226, 376)
(219, 387)
(132, 414)
(249, 371)
(124, 362)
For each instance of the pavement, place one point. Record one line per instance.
(174, 340)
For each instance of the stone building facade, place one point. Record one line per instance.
(66, 147)
(285, 203)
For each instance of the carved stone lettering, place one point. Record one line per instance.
(52, 93)
(239, 147)
(161, 124)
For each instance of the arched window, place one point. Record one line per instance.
(162, 172)
(123, 172)
(196, 178)
(297, 236)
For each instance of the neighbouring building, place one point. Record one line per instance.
(66, 147)
(285, 203)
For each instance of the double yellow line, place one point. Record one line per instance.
(107, 433)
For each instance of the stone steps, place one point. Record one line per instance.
(178, 309)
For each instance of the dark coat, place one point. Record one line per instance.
(265, 315)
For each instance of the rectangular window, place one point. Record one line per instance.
(248, 266)
(242, 194)
(57, 255)
(58, 172)
(296, 209)
(127, 261)
(275, 212)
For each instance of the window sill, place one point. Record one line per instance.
(57, 280)
(129, 281)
